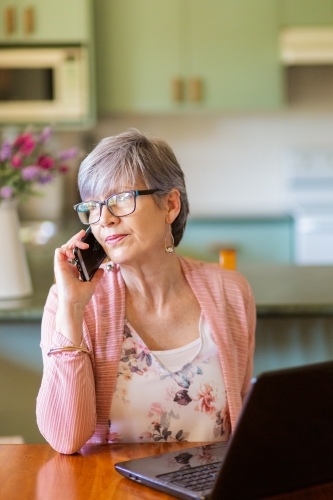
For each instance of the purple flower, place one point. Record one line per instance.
(67, 154)
(6, 151)
(45, 179)
(46, 134)
(30, 173)
(6, 192)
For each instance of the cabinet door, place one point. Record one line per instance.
(234, 51)
(60, 21)
(48, 21)
(306, 12)
(137, 54)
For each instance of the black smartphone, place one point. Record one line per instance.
(88, 261)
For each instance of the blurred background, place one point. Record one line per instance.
(242, 90)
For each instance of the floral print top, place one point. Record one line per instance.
(176, 395)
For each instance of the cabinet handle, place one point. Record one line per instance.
(10, 20)
(29, 20)
(195, 90)
(177, 90)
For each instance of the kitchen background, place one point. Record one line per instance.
(249, 114)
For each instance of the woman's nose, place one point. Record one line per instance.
(107, 217)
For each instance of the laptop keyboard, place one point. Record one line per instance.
(196, 479)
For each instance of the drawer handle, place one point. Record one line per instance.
(195, 90)
(10, 21)
(177, 90)
(29, 21)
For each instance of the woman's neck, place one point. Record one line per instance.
(154, 283)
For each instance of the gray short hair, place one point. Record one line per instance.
(125, 159)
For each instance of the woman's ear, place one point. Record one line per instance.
(173, 205)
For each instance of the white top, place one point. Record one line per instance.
(175, 395)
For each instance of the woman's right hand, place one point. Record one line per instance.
(73, 294)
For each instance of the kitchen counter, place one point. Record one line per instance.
(282, 290)
(290, 290)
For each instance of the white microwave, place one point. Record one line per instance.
(44, 85)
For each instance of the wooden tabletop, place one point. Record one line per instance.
(37, 472)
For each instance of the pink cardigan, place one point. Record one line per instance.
(74, 400)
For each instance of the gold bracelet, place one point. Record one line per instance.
(67, 348)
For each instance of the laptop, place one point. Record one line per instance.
(283, 442)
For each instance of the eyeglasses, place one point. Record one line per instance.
(119, 204)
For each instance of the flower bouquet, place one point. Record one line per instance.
(26, 163)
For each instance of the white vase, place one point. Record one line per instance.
(15, 280)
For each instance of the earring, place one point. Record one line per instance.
(110, 267)
(169, 248)
(109, 264)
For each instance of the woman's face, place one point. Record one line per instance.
(139, 236)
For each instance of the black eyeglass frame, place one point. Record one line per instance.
(135, 193)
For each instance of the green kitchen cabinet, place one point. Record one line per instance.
(137, 54)
(44, 21)
(173, 55)
(306, 12)
(234, 52)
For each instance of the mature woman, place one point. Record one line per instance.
(155, 347)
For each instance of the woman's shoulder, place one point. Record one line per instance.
(212, 274)
(211, 269)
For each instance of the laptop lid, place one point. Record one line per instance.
(284, 438)
(283, 441)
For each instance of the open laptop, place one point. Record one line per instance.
(283, 441)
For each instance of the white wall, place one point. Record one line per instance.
(234, 164)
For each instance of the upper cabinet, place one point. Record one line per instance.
(234, 52)
(137, 54)
(44, 21)
(170, 55)
(306, 12)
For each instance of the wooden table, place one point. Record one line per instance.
(37, 472)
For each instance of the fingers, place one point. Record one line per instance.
(67, 248)
(63, 255)
(75, 240)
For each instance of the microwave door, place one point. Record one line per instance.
(26, 84)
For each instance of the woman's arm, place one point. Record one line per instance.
(66, 403)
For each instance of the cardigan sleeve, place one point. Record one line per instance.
(251, 317)
(66, 402)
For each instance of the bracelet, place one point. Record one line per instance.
(67, 348)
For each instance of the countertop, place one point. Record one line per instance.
(290, 290)
(282, 290)
(41, 472)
